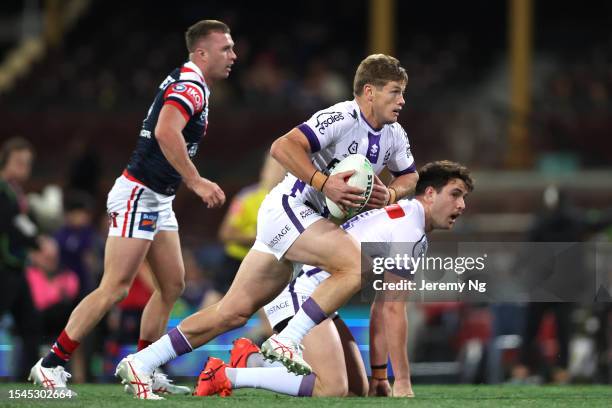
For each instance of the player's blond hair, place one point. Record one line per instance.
(378, 70)
(202, 29)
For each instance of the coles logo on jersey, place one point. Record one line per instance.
(148, 221)
(325, 119)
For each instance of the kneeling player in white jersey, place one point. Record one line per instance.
(292, 227)
(330, 348)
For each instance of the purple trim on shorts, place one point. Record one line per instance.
(313, 140)
(298, 187)
(307, 386)
(313, 310)
(409, 170)
(291, 215)
(373, 147)
(179, 342)
(313, 272)
(294, 298)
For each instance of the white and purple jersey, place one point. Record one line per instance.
(402, 223)
(339, 131)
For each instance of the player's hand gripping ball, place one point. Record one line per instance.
(362, 178)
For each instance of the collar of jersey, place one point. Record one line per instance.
(191, 65)
(365, 122)
(421, 212)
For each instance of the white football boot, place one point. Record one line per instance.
(288, 352)
(163, 385)
(136, 381)
(51, 378)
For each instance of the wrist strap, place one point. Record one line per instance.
(318, 180)
(379, 372)
(392, 195)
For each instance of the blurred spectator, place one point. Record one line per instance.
(18, 234)
(54, 289)
(321, 87)
(77, 238)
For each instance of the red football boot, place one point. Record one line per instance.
(212, 380)
(242, 349)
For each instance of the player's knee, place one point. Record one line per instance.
(351, 280)
(171, 291)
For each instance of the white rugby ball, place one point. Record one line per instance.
(363, 178)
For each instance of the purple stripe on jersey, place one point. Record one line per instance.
(307, 386)
(291, 215)
(368, 123)
(313, 310)
(373, 147)
(315, 146)
(313, 272)
(179, 342)
(409, 170)
(298, 187)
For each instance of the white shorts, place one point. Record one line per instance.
(290, 300)
(280, 221)
(136, 211)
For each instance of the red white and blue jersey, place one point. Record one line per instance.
(186, 90)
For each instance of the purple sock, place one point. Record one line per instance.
(309, 315)
(168, 347)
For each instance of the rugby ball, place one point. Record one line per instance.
(363, 178)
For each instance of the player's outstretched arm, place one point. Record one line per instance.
(172, 143)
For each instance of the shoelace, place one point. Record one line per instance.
(161, 377)
(62, 374)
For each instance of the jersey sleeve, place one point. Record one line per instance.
(187, 97)
(401, 161)
(325, 127)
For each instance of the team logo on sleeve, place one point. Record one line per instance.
(148, 221)
(353, 147)
(326, 119)
(188, 94)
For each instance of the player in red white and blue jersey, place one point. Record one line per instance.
(330, 348)
(142, 222)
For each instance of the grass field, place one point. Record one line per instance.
(94, 396)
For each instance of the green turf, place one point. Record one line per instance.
(455, 396)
